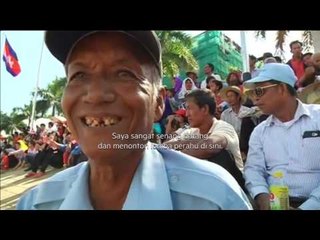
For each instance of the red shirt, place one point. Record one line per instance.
(5, 162)
(16, 139)
(298, 67)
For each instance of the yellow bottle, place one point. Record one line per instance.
(279, 192)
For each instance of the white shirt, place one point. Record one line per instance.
(218, 128)
(281, 146)
(235, 119)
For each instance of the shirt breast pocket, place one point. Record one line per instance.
(311, 153)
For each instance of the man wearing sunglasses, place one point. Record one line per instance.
(288, 140)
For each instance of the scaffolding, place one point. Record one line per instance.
(218, 49)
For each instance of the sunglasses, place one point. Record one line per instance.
(258, 91)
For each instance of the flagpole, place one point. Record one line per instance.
(36, 91)
(4, 38)
(244, 51)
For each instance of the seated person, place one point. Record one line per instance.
(234, 79)
(215, 86)
(68, 145)
(77, 156)
(176, 123)
(288, 140)
(19, 153)
(5, 160)
(51, 154)
(31, 154)
(312, 71)
(234, 114)
(172, 102)
(8, 161)
(187, 87)
(242, 118)
(207, 135)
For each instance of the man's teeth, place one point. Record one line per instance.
(100, 122)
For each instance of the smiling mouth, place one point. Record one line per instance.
(100, 122)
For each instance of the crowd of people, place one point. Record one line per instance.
(232, 111)
(232, 104)
(34, 151)
(252, 124)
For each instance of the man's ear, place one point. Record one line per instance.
(284, 90)
(160, 104)
(205, 109)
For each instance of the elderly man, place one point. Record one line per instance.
(234, 114)
(242, 118)
(288, 141)
(112, 97)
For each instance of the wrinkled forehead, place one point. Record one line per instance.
(112, 42)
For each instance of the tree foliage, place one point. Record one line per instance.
(281, 38)
(176, 52)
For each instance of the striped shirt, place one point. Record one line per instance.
(235, 119)
(281, 146)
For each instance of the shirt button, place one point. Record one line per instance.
(174, 178)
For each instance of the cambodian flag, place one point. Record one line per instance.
(11, 60)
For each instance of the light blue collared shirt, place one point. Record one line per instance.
(276, 146)
(165, 179)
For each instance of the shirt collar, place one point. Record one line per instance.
(214, 123)
(78, 195)
(241, 110)
(229, 110)
(301, 111)
(72, 192)
(150, 188)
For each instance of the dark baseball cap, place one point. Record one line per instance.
(60, 43)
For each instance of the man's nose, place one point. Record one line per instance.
(99, 91)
